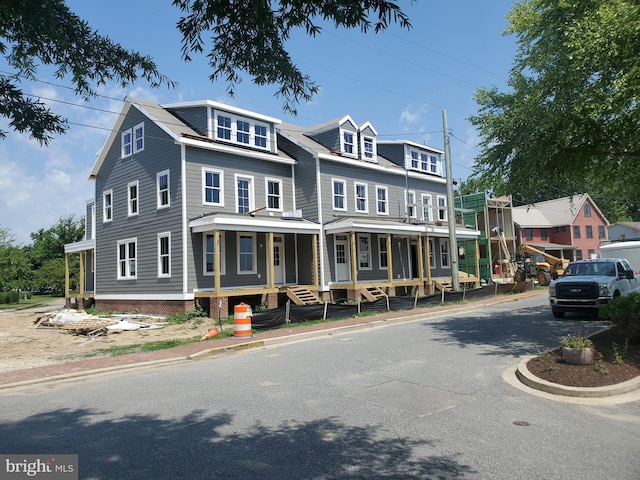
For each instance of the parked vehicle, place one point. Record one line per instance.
(534, 263)
(590, 284)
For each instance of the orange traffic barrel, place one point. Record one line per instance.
(242, 321)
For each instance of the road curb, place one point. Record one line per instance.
(529, 379)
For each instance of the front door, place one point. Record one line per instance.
(343, 265)
(278, 260)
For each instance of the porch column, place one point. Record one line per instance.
(66, 275)
(354, 258)
(420, 261)
(82, 274)
(216, 261)
(316, 279)
(427, 254)
(270, 270)
(389, 260)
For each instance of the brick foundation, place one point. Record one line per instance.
(155, 307)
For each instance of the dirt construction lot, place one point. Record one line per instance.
(22, 345)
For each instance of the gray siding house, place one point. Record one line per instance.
(205, 203)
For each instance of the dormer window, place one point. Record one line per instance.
(425, 162)
(242, 131)
(369, 148)
(347, 142)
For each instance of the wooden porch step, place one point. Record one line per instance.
(443, 284)
(372, 292)
(302, 296)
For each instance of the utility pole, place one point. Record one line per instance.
(451, 214)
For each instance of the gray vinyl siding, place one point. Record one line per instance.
(231, 165)
(195, 117)
(160, 153)
(88, 223)
(392, 152)
(305, 179)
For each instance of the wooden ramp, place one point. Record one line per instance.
(442, 284)
(372, 292)
(302, 296)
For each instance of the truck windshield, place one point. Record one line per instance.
(592, 268)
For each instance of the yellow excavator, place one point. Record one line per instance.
(534, 263)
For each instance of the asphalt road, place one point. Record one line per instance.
(419, 400)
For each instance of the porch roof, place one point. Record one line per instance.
(344, 225)
(247, 223)
(80, 246)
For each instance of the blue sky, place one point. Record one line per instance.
(400, 81)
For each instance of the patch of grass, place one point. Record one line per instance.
(29, 302)
(180, 318)
(142, 347)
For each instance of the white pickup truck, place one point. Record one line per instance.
(590, 284)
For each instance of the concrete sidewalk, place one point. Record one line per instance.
(217, 346)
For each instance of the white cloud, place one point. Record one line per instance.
(413, 114)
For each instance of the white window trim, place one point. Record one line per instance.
(106, 219)
(162, 235)
(369, 259)
(266, 193)
(237, 177)
(255, 253)
(386, 199)
(124, 144)
(223, 269)
(130, 200)
(374, 150)
(234, 130)
(134, 143)
(429, 208)
(354, 154)
(444, 242)
(204, 186)
(432, 254)
(382, 239)
(158, 192)
(344, 194)
(128, 275)
(366, 197)
(408, 203)
(442, 208)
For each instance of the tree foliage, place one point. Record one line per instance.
(245, 37)
(569, 121)
(251, 36)
(49, 244)
(45, 32)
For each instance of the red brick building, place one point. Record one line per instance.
(569, 227)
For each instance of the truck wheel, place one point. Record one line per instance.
(557, 313)
(544, 278)
(520, 276)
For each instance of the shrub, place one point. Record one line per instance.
(623, 311)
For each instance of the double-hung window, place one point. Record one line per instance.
(260, 136)
(348, 145)
(107, 206)
(212, 185)
(243, 132)
(368, 145)
(442, 208)
(383, 253)
(244, 194)
(132, 140)
(162, 186)
(223, 127)
(411, 204)
(164, 254)
(246, 253)
(432, 254)
(361, 197)
(274, 194)
(427, 215)
(339, 193)
(433, 164)
(132, 198)
(444, 253)
(364, 252)
(415, 159)
(127, 259)
(209, 259)
(424, 162)
(382, 200)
